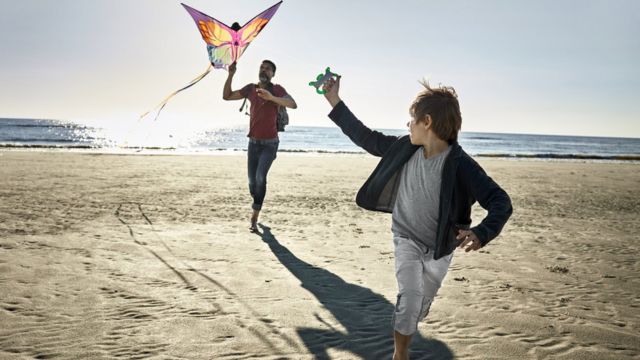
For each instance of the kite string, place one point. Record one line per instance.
(160, 106)
(164, 102)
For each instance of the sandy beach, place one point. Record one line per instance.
(136, 256)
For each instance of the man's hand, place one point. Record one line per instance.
(470, 240)
(232, 69)
(265, 94)
(227, 93)
(331, 88)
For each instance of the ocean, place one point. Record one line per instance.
(52, 134)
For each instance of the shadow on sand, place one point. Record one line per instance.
(364, 315)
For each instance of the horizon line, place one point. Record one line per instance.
(377, 128)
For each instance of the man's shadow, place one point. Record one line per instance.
(363, 314)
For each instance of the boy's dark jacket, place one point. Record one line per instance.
(463, 183)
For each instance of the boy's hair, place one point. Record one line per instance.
(273, 66)
(442, 105)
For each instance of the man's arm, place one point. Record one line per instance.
(286, 100)
(227, 93)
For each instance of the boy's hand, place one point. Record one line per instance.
(470, 240)
(331, 88)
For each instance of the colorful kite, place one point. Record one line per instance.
(225, 44)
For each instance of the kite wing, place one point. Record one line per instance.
(224, 44)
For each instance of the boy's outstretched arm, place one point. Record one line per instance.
(374, 142)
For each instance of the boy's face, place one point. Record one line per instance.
(418, 130)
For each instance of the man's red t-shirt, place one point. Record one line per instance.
(262, 123)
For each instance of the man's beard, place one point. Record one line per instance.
(263, 78)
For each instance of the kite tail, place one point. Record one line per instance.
(164, 102)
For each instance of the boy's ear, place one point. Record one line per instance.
(427, 121)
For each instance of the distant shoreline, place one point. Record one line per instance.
(218, 151)
(70, 123)
(52, 136)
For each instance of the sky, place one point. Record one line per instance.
(539, 67)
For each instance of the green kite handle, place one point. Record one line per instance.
(321, 78)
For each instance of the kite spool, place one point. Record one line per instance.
(321, 79)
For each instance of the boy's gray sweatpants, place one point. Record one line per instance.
(419, 277)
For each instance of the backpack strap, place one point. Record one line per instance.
(244, 102)
(270, 87)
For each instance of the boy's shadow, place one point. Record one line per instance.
(365, 317)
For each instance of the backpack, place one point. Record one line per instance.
(282, 117)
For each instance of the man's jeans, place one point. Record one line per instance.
(260, 157)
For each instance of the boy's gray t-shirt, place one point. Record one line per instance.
(415, 212)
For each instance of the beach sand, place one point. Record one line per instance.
(134, 256)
